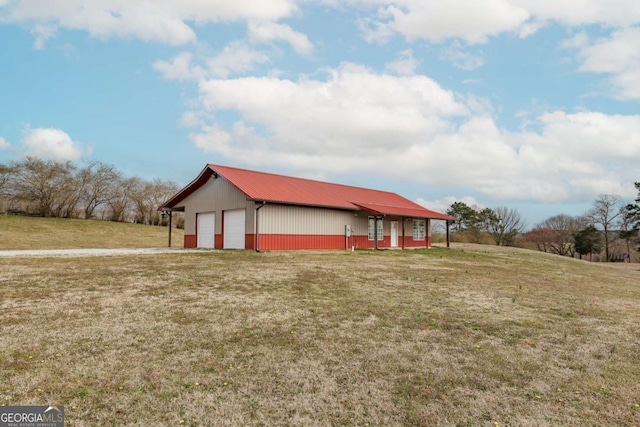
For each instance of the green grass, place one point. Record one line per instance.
(18, 232)
(462, 337)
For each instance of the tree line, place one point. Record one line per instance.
(93, 190)
(609, 223)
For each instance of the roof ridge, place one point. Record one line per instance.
(302, 179)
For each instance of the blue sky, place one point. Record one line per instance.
(519, 103)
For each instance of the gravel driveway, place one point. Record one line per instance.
(92, 252)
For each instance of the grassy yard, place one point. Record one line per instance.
(471, 336)
(19, 232)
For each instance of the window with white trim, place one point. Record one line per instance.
(419, 229)
(372, 227)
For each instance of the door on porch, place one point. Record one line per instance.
(394, 234)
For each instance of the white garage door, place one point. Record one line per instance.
(206, 229)
(234, 226)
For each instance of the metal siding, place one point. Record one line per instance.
(300, 220)
(190, 241)
(270, 242)
(216, 195)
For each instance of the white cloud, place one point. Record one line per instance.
(405, 65)
(179, 68)
(354, 109)
(360, 121)
(617, 56)
(611, 13)
(52, 144)
(266, 32)
(4, 144)
(456, 54)
(42, 33)
(235, 58)
(437, 21)
(474, 22)
(578, 41)
(441, 205)
(163, 21)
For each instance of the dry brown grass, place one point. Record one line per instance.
(462, 337)
(18, 232)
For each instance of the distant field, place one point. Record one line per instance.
(471, 336)
(18, 232)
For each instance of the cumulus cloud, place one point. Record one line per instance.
(617, 56)
(356, 120)
(165, 21)
(236, 58)
(437, 21)
(52, 144)
(441, 205)
(266, 32)
(179, 68)
(475, 22)
(4, 144)
(404, 65)
(459, 58)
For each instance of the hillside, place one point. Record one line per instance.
(19, 232)
(471, 336)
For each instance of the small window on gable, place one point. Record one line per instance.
(418, 229)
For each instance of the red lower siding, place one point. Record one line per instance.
(271, 242)
(410, 243)
(250, 241)
(190, 241)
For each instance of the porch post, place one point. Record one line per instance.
(170, 224)
(375, 232)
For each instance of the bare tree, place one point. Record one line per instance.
(6, 176)
(48, 187)
(541, 238)
(555, 234)
(506, 226)
(606, 211)
(6, 193)
(147, 196)
(119, 203)
(97, 181)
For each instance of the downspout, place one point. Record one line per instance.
(257, 228)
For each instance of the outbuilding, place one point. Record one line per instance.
(232, 208)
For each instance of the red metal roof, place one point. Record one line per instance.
(262, 186)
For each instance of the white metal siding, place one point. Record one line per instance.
(217, 195)
(234, 229)
(286, 219)
(206, 229)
